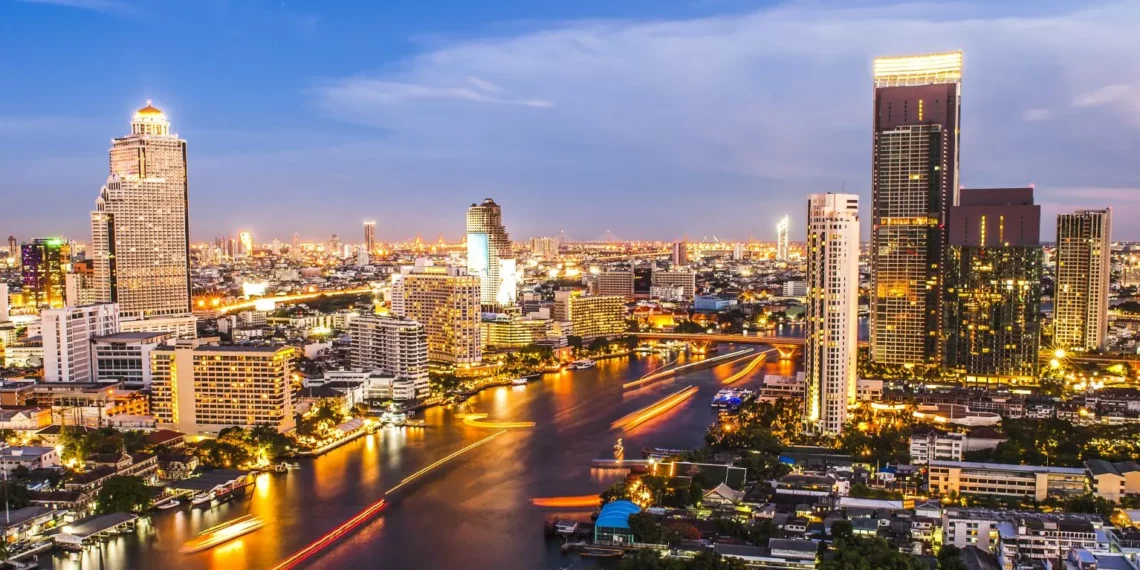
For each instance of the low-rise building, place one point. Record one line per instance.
(30, 457)
(1114, 480)
(1038, 482)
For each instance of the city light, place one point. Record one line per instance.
(630, 421)
(476, 420)
(582, 501)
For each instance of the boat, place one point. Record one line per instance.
(582, 364)
(201, 499)
(224, 532)
(600, 552)
(281, 467)
(644, 349)
(519, 382)
(168, 504)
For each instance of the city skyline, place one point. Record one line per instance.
(247, 153)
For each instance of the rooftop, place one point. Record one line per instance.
(1007, 467)
(131, 336)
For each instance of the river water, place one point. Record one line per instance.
(472, 512)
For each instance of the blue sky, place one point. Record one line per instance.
(648, 118)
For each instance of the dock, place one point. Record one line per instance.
(619, 463)
(77, 535)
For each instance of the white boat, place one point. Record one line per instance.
(169, 504)
(582, 364)
(519, 382)
(201, 498)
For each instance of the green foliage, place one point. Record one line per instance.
(868, 554)
(15, 493)
(78, 444)
(236, 447)
(645, 528)
(442, 383)
(757, 532)
(882, 437)
(688, 327)
(842, 530)
(651, 560)
(861, 491)
(124, 494)
(758, 426)
(574, 342)
(1061, 443)
(950, 558)
(323, 416)
(1087, 503)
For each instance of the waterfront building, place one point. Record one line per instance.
(831, 310)
(370, 237)
(125, 357)
(487, 244)
(45, 262)
(140, 225)
(617, 282)
(914, 181)
(508, 331)
(1034, 481)
(446, 301)
(393, 346)
(1080, 300)
(782, 228)
(67, 335)
(590, 316)
(993, 286)
(686, 280)
(679, 255)
(202, 389)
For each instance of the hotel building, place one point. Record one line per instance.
(446, 301)
(393, 346)
(590, 316)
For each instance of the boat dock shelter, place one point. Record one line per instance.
(81, 533)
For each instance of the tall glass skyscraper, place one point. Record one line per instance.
(140, 225)
(487, 245)
(914, 181)
(992, 304)
(44, 264)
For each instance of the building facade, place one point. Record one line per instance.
(686, 280)
(394, 346)
(590, 316)
(45, 263)
(618, 282)
(125, 357)
(1037, 482)
(993, 286)
(370, 237)
(782, 228)
(914, 181)
(831, 310)
(679, 255)
(1080, 315)
(67, 334)
(446, 301)
(140, 226)
(203, 389)
(487, 244)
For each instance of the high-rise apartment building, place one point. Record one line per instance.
(67, 335)
(618, 282)
(680, 254)
(1080, 299)
(544, 247)
(13, 247)
(590, 316)
(487, 245)
(687, 280)
(370, 237)
(445, 300)
(914, 182)
(245, 241)
(393, 346)
(45, 263)
(832, 310)
(200, 388)
(140, 226)
(295, 248)
(782, 228)
(993, 286)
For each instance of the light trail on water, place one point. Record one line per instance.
(748, 369)
(477, 420)
(673, 371)
(567, 502)
(630, 421)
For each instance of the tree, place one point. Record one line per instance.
(574, 342)
(599, 345)
(688, 327)
(646, 559)
(950, 558)
(645, 528)
(867, 553)
(841, 530)
(124, 494)
(1089, 503)
(16, 494)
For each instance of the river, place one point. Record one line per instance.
(472, 512)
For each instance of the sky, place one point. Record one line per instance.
(648, 119)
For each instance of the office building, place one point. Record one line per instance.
(487, 244)
(67, 335)
(686, 280)
(914, 181)
(679, 255)
(831, 310)
(590, 316)
(993, 276)
(140, 226)
(782, 228)
(445, 300)
(1080, 300)
(393, 346)
(544, 247)
(201, 388)
(370, 237)
(1034, 481)
(44, 264)
(245, 242)
(619, 282)
(125, 357)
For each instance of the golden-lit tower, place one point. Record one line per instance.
(140, 225)
(782, 228)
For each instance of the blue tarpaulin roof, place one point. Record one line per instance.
(616, 514)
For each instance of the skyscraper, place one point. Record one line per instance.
(140, 226)
(832, 308)
(13, 248)
(370, 237)
(1080, 314)
(245, 239)
(295, 248)
(45, 263)
(680, 254)
(487, 244)
(395, 346)
(67, 335)
(993, 286)
(914, 181)
(782, 238)
(445, 301)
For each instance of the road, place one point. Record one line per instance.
(473, 512)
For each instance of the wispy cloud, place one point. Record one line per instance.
(356, 95)
(1037, 115)
(97, 5)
